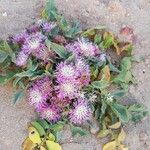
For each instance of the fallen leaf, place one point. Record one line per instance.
(52, 145)
(34, 135)
(115, 126)
(121, 136)
(28, 144)
(106, 72)
(110, 146)
(103, 133)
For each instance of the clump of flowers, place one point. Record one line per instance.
(68, 73)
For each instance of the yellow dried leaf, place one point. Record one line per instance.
(34, 135)
(118, 50)
(28, 144)
(103, 133)
(51, 137)
(52, 145)
(110, 146)
(106, 72)
(121, 136)
(42, 148)
(122, 147)
(115, 126)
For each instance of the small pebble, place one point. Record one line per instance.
(4, 14)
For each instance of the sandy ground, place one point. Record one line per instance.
(17, 14)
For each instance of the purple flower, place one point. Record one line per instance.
(33, 43)
(81, 112)
(83, 47)
(65, 71)
(47, 26)
(39, 92)
(21, 37)
(33, 28)
(83, 70)
(60, 103)
(21, 59)
(67, 89)
(35, 97)
(45, 86)
(50, 113)
(43, 53)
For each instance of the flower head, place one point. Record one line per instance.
(65, 71)
(67, 89)
(83, 47)
(21, 37)
(47, 26)
(35, 97)
(21, 59)
(83, 70)
(50, 113)
(45, 86)
(81, 112)
(33, 43)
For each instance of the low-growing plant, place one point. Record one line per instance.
(70, 77)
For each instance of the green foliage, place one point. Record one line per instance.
(121, 111)
(138, 112)
(125, 76)
(78, 130)
(18, 96)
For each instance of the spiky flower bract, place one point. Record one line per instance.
(50, 113)
(83, 47)
(81, 112)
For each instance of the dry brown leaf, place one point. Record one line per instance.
(106, 72)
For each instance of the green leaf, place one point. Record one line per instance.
(92, 31)
(78, 130)
(50, 11)
(43, 123)
(121, 111)
(118, 93)
(8, 76)
(38, 127)
(138, 112)
(3, 56)
(60, 50)
(126, 63)
(97, 39)
(18, 95)
(100, 84)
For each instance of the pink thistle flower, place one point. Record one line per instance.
(81, 112)
(21, 37)
(48, 26)
(35, 97)
(84, 71)
(60, 103)
(45, 86)
(50, 113)
(21, 59)
(65, 72)
(67, 89)
(83, 47)
(33, 43)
